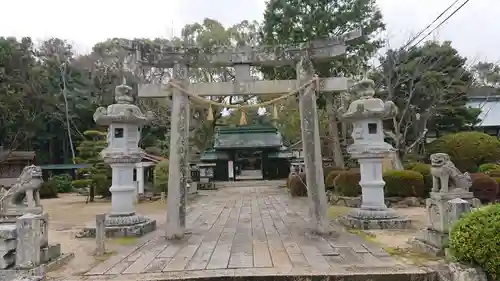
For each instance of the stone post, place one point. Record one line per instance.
(176, 200)
(29, 237)
(100, 234)
(311, 148)
(187, 170)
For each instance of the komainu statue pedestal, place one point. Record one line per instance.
(441, 216)
(24, 243)
(449, 200)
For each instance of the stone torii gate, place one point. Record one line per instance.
(179, 59)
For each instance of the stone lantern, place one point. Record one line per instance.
(124, 121)
(366, 115)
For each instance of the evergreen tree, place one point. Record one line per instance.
(296, 21)
(98, 176)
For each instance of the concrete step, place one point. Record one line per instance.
(254, 274)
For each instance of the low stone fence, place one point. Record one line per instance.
(393, 202)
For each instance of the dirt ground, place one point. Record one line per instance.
(391, 238)
(69, 213)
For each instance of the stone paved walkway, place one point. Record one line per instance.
(249, 231)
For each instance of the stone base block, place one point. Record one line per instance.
(461, 272)
(423, 247)
(37, 273)
(384, 218)
(133, 230)
(7, 259)
(431, 241)
(50, 253)
(11, 214)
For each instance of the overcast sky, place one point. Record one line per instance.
(84, 23)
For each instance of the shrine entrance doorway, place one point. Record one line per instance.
(248, 152)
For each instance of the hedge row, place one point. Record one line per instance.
(474, 240)
(413, 182)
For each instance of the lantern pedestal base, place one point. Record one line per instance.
(122, 226)
(375, 219)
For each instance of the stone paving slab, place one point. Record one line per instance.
(250, 231)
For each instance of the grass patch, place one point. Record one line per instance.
(124, 241)
(336, 211)
(365, 235)
(417, 258)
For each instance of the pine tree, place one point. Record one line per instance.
(98, 176)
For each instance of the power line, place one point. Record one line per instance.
(430, 24)
(434, 29)
(442, 22)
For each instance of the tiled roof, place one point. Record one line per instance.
(247, 137)
(490, 112)
(21, 155)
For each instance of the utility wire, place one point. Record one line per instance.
(442, 22)
(434, 29)
(430, 24)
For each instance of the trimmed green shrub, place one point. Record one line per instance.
(297, 185)
(493, 173)
(330, 179)
(474, 239)
(153, 151)
(161, 177)
(347, 183)
(63, 183)
(425, 171)
(409, 160)
(82, 183)
(48, 189)
(102, 183)
(467, 150)
(403, 183)
(484, 168)
(484, 187)
(497, 179)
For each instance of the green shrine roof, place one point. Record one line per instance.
(252, 136)
(284, 152)
(213, 155)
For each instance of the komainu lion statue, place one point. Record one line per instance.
(27, 187)
(445, 176)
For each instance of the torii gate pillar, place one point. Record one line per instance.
(312, 149)
(178, 162)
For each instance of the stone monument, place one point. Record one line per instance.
(24, 241)
(448, 186)
(366, 115)
(122, 153)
